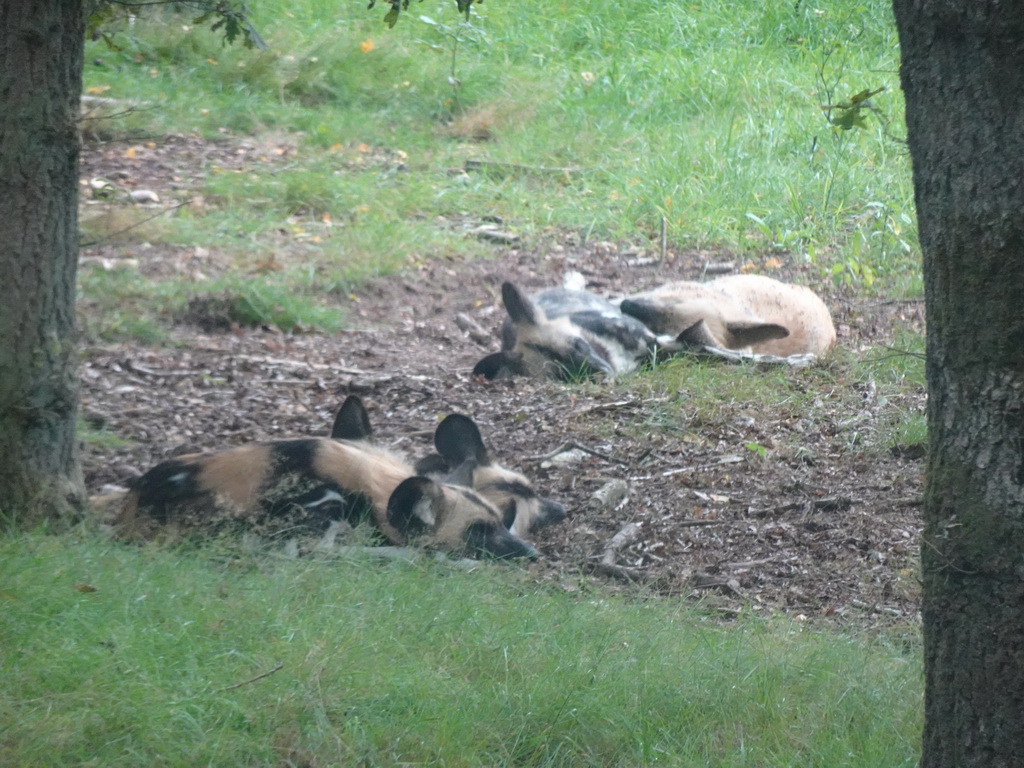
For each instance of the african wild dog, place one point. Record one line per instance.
(459, 443)
(288, 487)
(749, 313)
(561, 333)
(523, 510)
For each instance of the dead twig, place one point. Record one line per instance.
(707, 581)
(607, 565)
(268, 673)
(510, 169)
(112, 235)
(747, 564)
(284, 363)
(896, 352)
(701, 523)
(832, 504)
(598, 407)
(566, 447)
(694, 467)
(471, 328)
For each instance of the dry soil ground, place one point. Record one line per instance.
(827, 531)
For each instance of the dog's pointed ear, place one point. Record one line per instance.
(697, 335)
(494, 366)
(412, 506)
(751, 332)
(650, 313)
(519, 307)
(351, 421)
(457, 438)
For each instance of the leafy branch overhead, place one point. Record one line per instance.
(397, 6)
(231, 18)
(850, 113)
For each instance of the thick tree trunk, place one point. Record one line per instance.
(963, 77)
(41, 48)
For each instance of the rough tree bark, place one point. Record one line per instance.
(963, 77)
(41, 49)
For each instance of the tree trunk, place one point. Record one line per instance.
(963, 77)
(41, 48)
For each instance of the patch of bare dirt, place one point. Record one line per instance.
(827, 530)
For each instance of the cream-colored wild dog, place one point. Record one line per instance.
(749, 313)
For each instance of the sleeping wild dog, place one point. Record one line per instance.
(561, 333)
(459, 443)
(305, 485)
(748, 313)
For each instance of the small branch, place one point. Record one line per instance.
(694, 467)
(896, 352)
(607, 565)
(607, 406)
(566, 447)
(747, 564)
(156, 215)
(832, 504)
(508, 169)
(471, 328)
(268, 673)
(702, 523)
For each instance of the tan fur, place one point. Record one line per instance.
(491, 482)
(235, 477)
(232, 485)
(739, 301)
(363, 468)
(460, 504)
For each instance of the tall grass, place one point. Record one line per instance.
(115, 656)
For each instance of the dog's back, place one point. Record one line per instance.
(740, 312)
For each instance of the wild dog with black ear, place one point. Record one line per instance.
(561, 333)
(352, 422)
(749, 313)
(289, 487)
(458, 442)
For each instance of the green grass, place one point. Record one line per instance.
(705, 115)
(112, 655)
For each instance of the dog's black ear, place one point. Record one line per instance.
(649, 313)
(518, 305)
(750, 332)
(411, 507)
(458, 439)
(352, 422)
(697, 335)
(495, 366)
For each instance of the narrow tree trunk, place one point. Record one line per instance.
(41, 48)
(963, 77)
